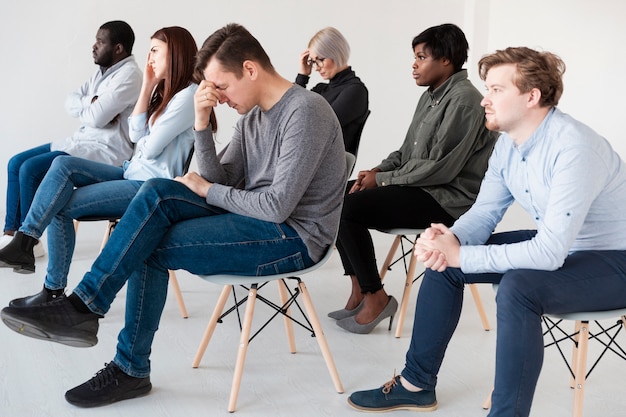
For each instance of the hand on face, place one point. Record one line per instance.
(305, 68)
(205, 98)
(150, 79)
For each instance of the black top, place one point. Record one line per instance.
(348, 97)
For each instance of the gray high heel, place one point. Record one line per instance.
(344, 313)
(350, 324)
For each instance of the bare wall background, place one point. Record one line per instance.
(46, 53)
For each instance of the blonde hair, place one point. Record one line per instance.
(330, 43)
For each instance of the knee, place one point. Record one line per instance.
(15, 163)
(350, 208)
(154, 188)
(513, 289)
(154, 185)
(451, 276)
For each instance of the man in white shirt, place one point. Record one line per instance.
(102, 105)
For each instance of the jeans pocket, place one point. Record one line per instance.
(289, 263)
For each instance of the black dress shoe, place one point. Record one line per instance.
(57, 321)
(42, 297)
(19, 254)
(107, 386)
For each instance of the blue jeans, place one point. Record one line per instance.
(73, 188)
(588, 281)
(25, 172)
(167, 226)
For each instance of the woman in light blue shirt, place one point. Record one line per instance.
(161, 129)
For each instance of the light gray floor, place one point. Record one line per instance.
(34, 374)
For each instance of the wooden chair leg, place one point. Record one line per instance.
(479, 306)
(217, 312)
(390, 255)
(487, 402)
(282, 292)
(107, 234)
(178, 294)
(319, 335)
(581, 369)
(243, 349)
(575, 352)
(406, 295)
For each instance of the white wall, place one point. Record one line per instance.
(46, 50)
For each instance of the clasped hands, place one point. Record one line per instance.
(438, 248)
(365, 180)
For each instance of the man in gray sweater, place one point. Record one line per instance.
(287, 151)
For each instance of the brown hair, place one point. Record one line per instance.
(534, 69)
(180, 74)
(231, 46)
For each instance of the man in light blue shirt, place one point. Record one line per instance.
(573, 184)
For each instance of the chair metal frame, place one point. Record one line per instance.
(287, 299)
(401, 237)
(580, 338)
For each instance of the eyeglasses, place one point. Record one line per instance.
(319, 62)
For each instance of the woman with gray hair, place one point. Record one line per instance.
(328, 53)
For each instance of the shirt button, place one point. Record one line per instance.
(383, 183)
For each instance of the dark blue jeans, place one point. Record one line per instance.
(24, 174)
(588, 281)
(167, 226)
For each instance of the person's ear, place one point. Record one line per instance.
(119, 49)
(250, 69)
(534, 97)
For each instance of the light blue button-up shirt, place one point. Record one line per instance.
(568, 178)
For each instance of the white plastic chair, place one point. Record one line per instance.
(580, 338)
(288, 299)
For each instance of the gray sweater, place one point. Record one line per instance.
(291, 161)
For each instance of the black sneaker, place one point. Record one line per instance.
(58, 321)
(107, 386)
(19, 254)
(42, 297)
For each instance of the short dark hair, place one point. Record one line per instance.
(445, 41)
(120, 32)
(231, 46)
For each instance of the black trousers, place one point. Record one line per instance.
(379, 208)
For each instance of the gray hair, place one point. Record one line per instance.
(330, 43)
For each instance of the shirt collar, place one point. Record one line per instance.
(537, 136)
(437, 94)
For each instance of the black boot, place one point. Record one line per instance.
(19, 254)
(41, 297)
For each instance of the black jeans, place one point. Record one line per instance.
(392, 206)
